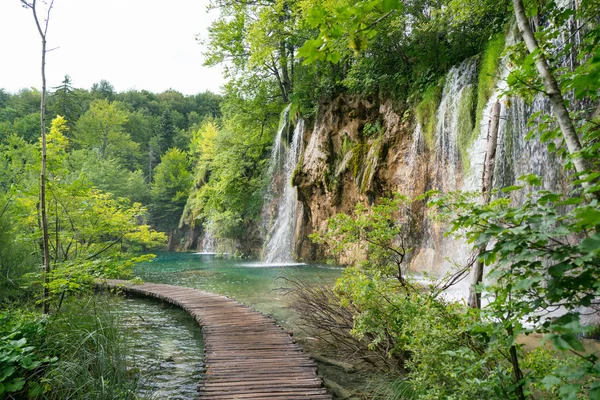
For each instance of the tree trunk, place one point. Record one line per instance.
(486, 188)
(552, 90)
(44, 217)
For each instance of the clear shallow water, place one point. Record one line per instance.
(166, 345)
(258, 285)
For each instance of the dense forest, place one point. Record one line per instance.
(390, 99)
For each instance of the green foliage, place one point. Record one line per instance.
(172, 182)
(542, 257)
(21, 362)
(376, 235)
(231, 160)
(16, 256)
(94, 359)
(372, 129)
(101, 128)
(79, 353)
(92, 233)
(64, 102)
(343, 26)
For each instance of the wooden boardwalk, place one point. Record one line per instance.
(246, 355)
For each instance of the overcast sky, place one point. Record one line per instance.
(133, 44)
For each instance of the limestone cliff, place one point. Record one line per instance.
(359, 150)
(356, 152)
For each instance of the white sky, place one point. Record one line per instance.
(133, 44)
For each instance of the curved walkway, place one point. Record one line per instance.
(246, 355)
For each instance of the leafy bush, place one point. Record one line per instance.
(22, 363)
(544, 256)
(543, 260)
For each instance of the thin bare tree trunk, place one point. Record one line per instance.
(43, 30)
(486, 188)
(552, 90)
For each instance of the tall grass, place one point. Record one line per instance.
(92, 354)
(391, 388)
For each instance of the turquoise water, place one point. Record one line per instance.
(260, 286)
(166, 347)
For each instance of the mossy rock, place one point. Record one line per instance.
(466, 123)
(426, 112)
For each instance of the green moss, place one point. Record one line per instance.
(360, 150)
(471, 104)
(466, 121)
(365, 179)
(426, 112)
(297, 170)
(370, 163)
(488, 69)
(347, 144)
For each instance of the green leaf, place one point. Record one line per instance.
(15, 385)
(531, 179)
(316, 16)
(565, 342)
(588, 216)
(569, 391)
(573, 342)
(389, 5)
(512, 188)
(551, 381)
(34, 389)
(594, 393)
(559, 269)
(6, 372)
(591, 243)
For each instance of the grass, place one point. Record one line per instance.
(392, 388)
(92, 354)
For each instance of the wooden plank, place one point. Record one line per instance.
(247, 355)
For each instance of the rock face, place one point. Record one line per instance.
(356, 152)
(360, 150)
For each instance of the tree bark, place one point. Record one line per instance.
(43, 30)
(552, 90)
(486, 188)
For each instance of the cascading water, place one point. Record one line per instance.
(209, 243)
(515, 156)
(448, 164)
(438, 254)
(274, 173)
(280, 243)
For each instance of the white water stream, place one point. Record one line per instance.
(280, 240)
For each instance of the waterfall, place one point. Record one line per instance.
(438, 254)
(448, 165)
(515, 156)
(518, 156)
(209, 243)
(281, 233)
